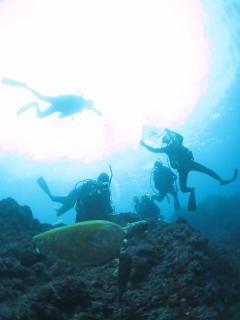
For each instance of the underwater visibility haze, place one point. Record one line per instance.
(87, 89)
(146, 66)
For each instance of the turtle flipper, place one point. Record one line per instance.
(124, 269)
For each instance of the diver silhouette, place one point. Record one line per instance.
(182, 160)
(164, 180)
(66, 105)
(90, 198)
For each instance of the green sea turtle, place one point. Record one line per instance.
(88, 243)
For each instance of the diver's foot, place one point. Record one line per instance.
(223, 182)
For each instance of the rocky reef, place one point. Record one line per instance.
(218, 218)
(176, 274)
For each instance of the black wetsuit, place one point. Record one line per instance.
(163, 179)
(182, 160)
(93, 203)
(146, 208)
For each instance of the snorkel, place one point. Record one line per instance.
(110, 180)
(86, 180)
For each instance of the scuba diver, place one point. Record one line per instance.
(163, 179)
(91, 199)
(65, 105)
(94, 200)
(146, 209)
(182, 160)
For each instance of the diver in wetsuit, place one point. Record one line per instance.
(147, 210)
(182, 160)
(65, 105)
(163, 179)
(91, 199)
(94, 200)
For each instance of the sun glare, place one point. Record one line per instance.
(142, 62)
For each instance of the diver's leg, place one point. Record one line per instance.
(174, 194)
(68, 202)
(45, 113)
(183, 175)
(176, 203)
(195, 166)
(40, 96)
(26, 107)
(40, 114)
(223, 182)
(64, 208)
(70, 198)
(60, 199)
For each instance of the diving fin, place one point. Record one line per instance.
(14, 83)
(223, 182)
(26, 107)
(97, 111)
(192, 201)
(43, 185)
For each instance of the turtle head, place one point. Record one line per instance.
(136, 227)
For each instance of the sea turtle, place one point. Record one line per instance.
(88, 243)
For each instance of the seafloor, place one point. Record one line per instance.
(177, 274)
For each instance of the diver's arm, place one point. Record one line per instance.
(151, 149)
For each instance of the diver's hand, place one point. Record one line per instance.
(142, 143)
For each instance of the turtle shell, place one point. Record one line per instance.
(88, 243)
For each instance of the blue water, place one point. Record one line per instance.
(212, 132)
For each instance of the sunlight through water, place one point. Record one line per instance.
(142, 62)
